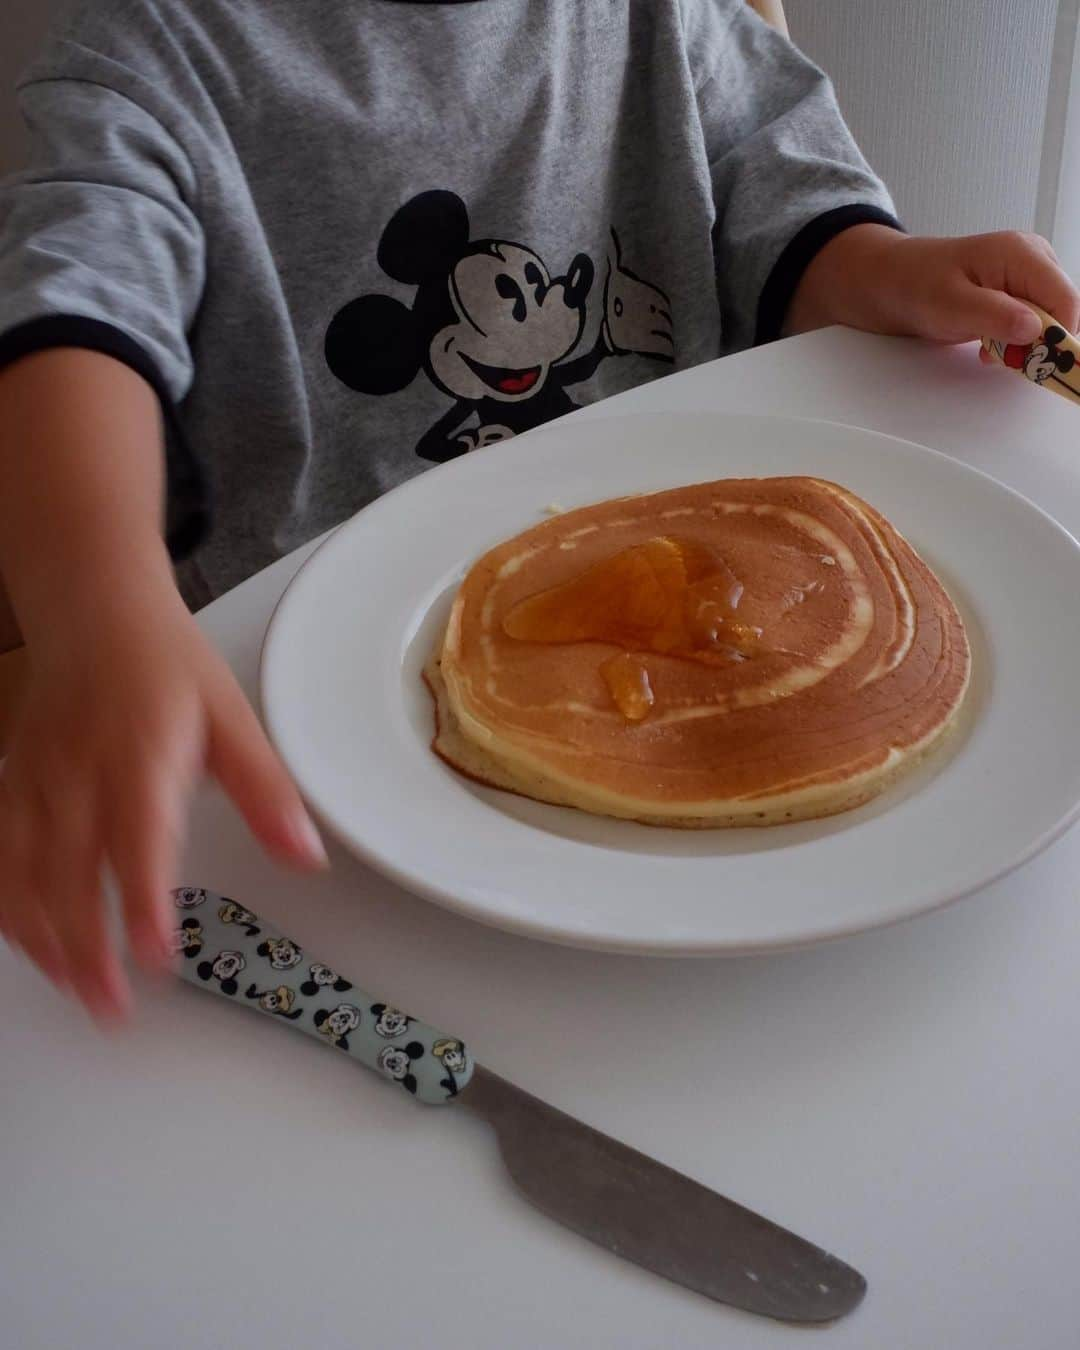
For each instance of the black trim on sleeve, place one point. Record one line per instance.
(800, 252)
(187, 515)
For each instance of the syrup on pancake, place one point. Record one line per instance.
(743, 651)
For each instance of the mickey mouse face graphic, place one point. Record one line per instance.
(512, 322)
(282, 953)
(224, 969)
(490, 325)
(337, 1025)
(322, 977)
(396, 1062)
(1041, 361)
(391, 1022)
(188, 897)
(1045, 360)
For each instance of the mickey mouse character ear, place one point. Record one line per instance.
(425, 238)
(375, 345)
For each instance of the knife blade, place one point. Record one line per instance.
(656, 1217)
(608, 1192)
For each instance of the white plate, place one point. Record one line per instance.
(345, 704)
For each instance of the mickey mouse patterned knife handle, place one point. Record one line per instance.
(1052, 361)
(221, 946)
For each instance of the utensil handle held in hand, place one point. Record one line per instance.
(1053, 360)
(223, 947)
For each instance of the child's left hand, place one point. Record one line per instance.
(947, 290)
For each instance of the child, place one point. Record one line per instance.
(307, 248)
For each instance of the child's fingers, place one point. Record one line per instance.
(12, 861)
(35, 934)
(1043, 282)
(241, 759)
(23, 922)
(982, 312)
(92, 963)
(68, 863)
(68, 879)
(25, 927)
(144, 832)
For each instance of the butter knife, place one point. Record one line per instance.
(608, 1192)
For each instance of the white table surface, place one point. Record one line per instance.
(909, 1098)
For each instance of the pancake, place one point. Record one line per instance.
(743, 652)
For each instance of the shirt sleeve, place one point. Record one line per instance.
(101, 248)
(787, 175)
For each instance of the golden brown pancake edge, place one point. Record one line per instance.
(524, 763)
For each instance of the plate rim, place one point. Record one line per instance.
(421, 884)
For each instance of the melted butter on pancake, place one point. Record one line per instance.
(627, 678)
(736, 652)
(670, 596)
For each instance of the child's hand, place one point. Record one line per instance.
(119, 721)
(948, 290)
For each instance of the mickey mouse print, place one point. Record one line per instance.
(489, 326)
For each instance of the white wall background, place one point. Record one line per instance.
(970, 109)
(960, 104)
(1065, 230)
(948, 99)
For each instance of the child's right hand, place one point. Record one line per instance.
(123, 713)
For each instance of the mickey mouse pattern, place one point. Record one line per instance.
(234, 942)
(336, 1023)
(490, 326)
(1043, 359)
(188, 897)
(322, 977)
(396, 1061)
(1049, 362)
(392, 1022)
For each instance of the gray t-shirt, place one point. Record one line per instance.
(345, 240)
